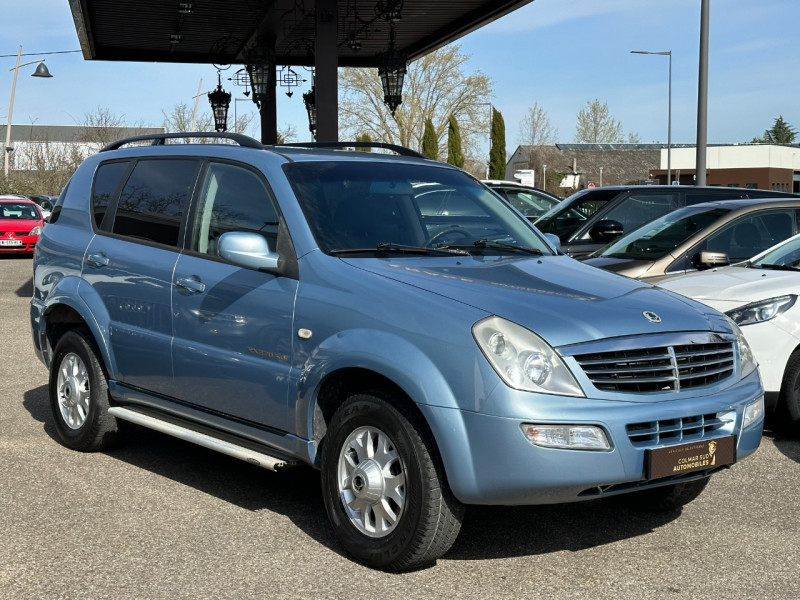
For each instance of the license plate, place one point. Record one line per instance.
(689, 457)
(10, 243)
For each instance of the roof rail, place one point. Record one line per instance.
(401, 150)
(158, 139)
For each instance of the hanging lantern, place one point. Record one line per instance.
(220, 100)
(392, 71)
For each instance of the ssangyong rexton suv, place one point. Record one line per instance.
(290, 305)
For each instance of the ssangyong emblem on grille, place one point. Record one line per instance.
(651, 316)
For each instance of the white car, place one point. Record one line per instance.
(760, 295)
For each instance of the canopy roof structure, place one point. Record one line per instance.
(325, 34)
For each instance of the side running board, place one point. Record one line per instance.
(184, 431)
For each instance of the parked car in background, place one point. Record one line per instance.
(760, 295)
(530, 201)
(700, 237)
(591, 218)
(45, 202)
(21, 223)
(386, 319)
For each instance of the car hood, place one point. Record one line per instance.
(730, 287)
(19, 224)
(559, 298)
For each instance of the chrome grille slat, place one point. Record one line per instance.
(659, 369)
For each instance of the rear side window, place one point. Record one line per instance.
(106, 181)
(154, 200)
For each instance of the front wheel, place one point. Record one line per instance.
(664, 498)
(789, 399)
(384, 487)
(79, 395)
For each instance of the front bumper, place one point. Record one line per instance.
(489, 461)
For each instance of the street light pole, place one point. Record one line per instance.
(40, 72)
(669, 109)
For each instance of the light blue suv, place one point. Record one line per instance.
(384, 318)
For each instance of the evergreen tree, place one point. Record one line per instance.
(454, 154)
(430, 146)
(364, 137)
(497, 151)
(780, 133)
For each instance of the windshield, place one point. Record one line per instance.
(380, 207)
(569, 215)
(18, 210)
(661, 236)
(785, 255)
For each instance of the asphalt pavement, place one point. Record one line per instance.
(160, 518)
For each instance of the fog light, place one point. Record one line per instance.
(753, 412)
(572, 437)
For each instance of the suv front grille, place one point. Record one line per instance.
(684, 429)
(665, 368)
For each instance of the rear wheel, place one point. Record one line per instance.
(664, 498)
(79, 394)
(384, 487)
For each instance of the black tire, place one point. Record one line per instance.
(79, 395)
(789, 400)
(665, 498)
(379, 456)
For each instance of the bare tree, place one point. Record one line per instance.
(435, 88)
(597, 126)
(183, 119)
(535, 131)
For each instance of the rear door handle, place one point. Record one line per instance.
(191, 284)
(97, 260)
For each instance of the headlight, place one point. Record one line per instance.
(36, 231)
(746, 359)
(758, 312)
(523, 360)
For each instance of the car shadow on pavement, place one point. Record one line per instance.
(487, 532)
(788, 443)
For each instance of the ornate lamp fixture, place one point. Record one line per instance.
(392, 70)
(259, 80)
(310, 100)
(220, 100)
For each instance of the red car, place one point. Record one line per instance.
(21, 224)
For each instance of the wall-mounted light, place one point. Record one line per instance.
(310, 100)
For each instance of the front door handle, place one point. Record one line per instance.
(191, 284)
(97, 260)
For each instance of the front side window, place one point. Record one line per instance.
(353, 206)
(154, 200)
(569, 216)
(751, 234)
(640, 208)
(232, 198)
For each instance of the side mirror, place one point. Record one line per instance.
(708, 260)
(249, 250)
(606, 231)
(553, 240)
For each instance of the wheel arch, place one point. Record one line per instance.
(74, 304)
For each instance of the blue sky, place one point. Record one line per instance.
(559, 53)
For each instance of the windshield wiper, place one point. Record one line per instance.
(493, 244)
(778, 267)
(389, 247)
